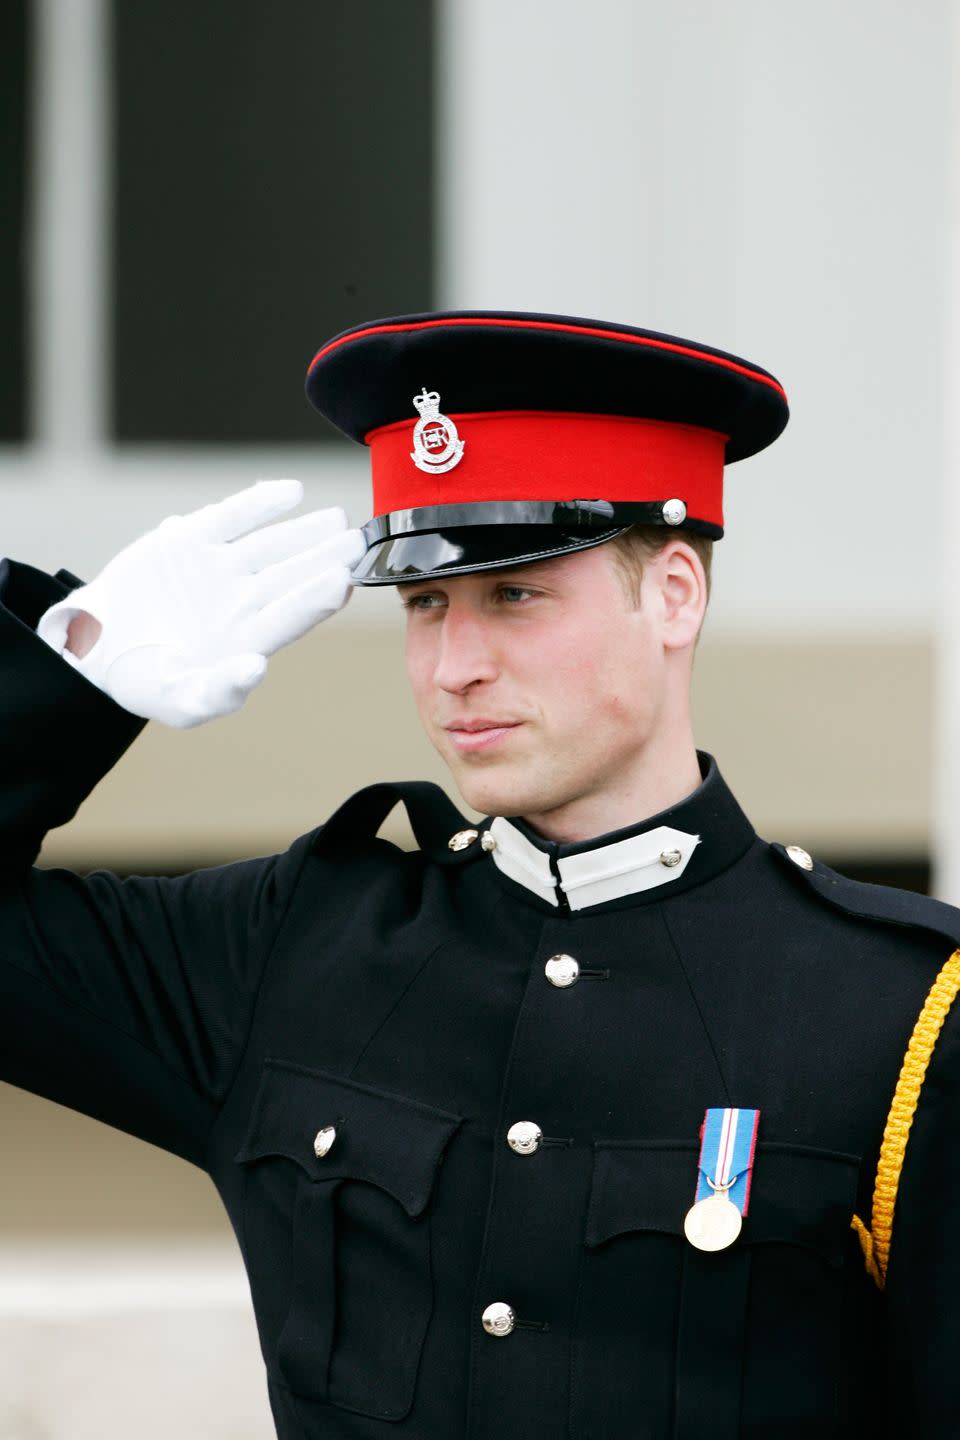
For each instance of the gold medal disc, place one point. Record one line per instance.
(712, 1224)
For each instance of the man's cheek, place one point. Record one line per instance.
(569, 665)
(418, 677)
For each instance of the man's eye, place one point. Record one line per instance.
(427, 601)
(514, 594)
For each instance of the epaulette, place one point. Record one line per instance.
(892, 907)
(440, 830)
(871, 902)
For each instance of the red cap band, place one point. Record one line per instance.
(546, 455)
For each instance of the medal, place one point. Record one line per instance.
(728, 1141)
(713, 1224)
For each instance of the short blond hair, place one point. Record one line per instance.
(641, 543)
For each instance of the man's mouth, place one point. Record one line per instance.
(479, 733)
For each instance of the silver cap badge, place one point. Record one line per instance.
(437, 446)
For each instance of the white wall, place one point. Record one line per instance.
(142, 1340)
(767, 178)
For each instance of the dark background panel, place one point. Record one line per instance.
(14, 80)
(273, 184)
(908, 873)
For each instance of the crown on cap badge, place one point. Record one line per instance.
(436, 444)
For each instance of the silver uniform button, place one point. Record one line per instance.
(674, 512)
(498, 1318)
(524, 1137)
(670, 858)
(462, 839)
(488, 841)
(800, 857)
(562, 970)
(324, 1139)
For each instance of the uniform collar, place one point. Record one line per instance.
(673, 851)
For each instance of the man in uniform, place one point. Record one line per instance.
(588, 1120)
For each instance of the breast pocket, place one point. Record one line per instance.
(743, 1341)
(337, 1235)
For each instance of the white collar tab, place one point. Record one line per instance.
(590, 877)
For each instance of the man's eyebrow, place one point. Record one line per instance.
(515, 574)
(417, 587)
(533, 571)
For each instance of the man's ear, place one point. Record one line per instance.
(683, 586)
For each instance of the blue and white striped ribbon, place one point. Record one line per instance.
(728, 1141)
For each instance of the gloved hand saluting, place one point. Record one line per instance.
(190, 612)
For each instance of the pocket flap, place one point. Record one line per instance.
(382, 1138)
(800, 1196)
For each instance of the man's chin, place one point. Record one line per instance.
(491, 790)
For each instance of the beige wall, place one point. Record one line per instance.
(827, 744)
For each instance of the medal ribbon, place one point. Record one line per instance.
(728, 1140)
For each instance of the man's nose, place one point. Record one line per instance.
(465, 656)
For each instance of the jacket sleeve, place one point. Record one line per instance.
(128, 999)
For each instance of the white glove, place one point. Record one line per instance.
(190, 611)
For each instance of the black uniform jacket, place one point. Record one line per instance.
(402, 999)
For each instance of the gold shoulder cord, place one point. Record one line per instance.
(876, 1244)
